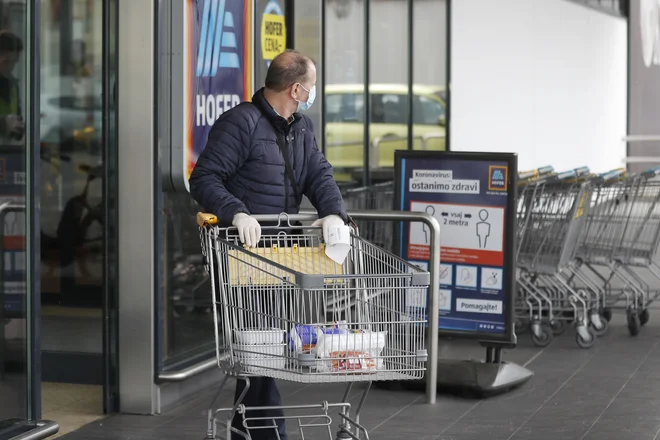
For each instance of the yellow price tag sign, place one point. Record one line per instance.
(273, 36)
(579, 212)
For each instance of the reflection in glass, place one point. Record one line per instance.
(388, 85)
(14, 357)
(187, 309)
(72, 176)
(307, 35)
(72, 159)
(344, 88)
(429, 74)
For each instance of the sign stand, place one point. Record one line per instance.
(492, 376)
(473, 196)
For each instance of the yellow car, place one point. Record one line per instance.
(344, 118)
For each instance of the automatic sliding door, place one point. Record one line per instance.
(19, 295)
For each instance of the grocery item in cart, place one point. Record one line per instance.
(254, 267)
(303, 338)
(357, 351)
(267, 336)
(352, 361)
(256, 356)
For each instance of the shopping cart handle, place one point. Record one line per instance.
(205, 219)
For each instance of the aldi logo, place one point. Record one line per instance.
(497, 178)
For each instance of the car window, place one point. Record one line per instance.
(442, 95)
(389, 108)
(344, 107)
(427, 111)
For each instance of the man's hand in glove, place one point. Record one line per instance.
(249, 230)
(329, 222)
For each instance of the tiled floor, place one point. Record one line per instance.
(609, 392)
(71, 405)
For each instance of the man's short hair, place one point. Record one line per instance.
(10, 42)
(286, 69)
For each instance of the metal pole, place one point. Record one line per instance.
(366, 177)
(434, 270)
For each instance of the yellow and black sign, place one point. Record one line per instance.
(273, 31)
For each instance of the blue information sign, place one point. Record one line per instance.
(472, 195)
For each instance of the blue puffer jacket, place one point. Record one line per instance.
(242, 168)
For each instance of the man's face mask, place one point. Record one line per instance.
(302, 106)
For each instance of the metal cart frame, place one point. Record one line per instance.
(376, 287)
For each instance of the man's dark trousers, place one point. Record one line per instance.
(263, 391)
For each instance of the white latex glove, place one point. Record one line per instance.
(327, 223)
(249, 230)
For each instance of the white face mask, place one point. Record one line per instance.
(302, 106)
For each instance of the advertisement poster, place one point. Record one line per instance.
(219, 55)
(271, 33)
(471, 199)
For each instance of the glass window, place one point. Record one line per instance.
(389, 109)
(307, 39)
(14, 141)
(187, 307)
(345, 107)
(74, 218)
(388, 85)
(429, 74)
(428, 111)
(344, 89)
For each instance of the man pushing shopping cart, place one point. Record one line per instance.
(260, 158)
(287, 305)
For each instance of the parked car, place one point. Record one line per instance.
(388, 129)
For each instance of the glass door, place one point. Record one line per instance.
(20, 399)
(78, 209)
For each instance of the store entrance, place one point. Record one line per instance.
(78, 147)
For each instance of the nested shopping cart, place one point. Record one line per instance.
(285, 310)
(550, 214)
(622, 235)
(377, 197)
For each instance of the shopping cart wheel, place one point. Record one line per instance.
(634, 323)
(541, 335)
(558, 327)
(586, 340)
(343, 435)
(601, 327)
(607, 314)
(644, 316)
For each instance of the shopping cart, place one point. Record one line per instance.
(610, 261)
(621, 236)
(376, 197)
(273, 318)
(550, 215)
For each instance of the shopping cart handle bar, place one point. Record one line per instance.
(206, 219)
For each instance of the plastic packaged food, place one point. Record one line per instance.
(351, 361)
(350, 351)
(303, 338)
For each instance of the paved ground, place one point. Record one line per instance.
(611, 391)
